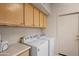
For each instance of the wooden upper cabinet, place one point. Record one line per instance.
(11, 14)
(45, 21)
(41, 19)
(17, 14)
(28, 15)
(36, 17)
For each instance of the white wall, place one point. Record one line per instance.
(58, 9)
(13, 34)
(65, 8)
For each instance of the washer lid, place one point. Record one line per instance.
(36, 43)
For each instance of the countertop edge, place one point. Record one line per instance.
(21, 51)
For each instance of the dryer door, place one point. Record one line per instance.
(43, 49)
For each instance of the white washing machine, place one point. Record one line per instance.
(38, 47)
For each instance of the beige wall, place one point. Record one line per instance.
(12, 34)
(58, 9)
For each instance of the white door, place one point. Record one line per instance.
(43, 49)
(67, 31)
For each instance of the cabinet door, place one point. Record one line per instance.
(41, 19)
(28, 15)
(36, 17)
(45, 21)
(11, 14)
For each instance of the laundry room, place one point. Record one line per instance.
(39, 29)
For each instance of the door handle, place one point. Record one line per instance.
(77, 36)
(77, 39)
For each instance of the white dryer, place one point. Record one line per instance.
(38, 47)
(50, 44)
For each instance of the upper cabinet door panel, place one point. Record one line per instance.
(28, 15)
(45, 21)
(11, 13)
(36, 17)
(41, 19)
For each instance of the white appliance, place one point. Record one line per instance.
(51, 42)
(51, 46)
(38, 47)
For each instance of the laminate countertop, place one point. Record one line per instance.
(15, 49)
